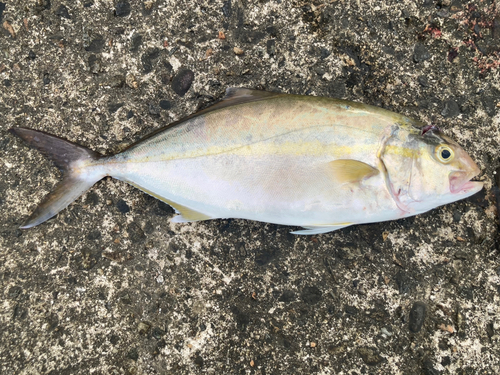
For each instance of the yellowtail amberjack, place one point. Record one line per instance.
(314, 162)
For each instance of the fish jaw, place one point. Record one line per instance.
(460, 187)
(460, 183)
(471, 188)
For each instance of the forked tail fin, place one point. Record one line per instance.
(77, 164)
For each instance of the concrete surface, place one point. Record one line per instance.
(111, 287)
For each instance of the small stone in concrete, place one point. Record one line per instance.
(135, 42)
(337, 89)
(2, 8)
(63, 12)
(117, 81)
(324, 53)
(162, 209)
(143, 327)
(157, 333)
(182, 81)
(135, 233)
(122, 9)
(153, 109)
(15, 292)
(149, 58)
(133, 354)
(446, 361)
(417, 316)
(370, 356)
(428, 368)
(113, 107)
(287, 296)
(311, 295)
(95, 65)
(423, 81)
(96, 45)
(271, 47)
(404, 282)
(198, 361)
(420, 53)
(451, 109)
(122, 206)
(351, 310)
(92, 199)
(165, 104)
(226, 8)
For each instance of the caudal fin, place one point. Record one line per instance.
(75, 162)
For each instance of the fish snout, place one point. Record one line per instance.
(460, 180)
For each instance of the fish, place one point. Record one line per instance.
(314, 162)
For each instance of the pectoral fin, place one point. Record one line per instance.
(346, 170)
(321, 229)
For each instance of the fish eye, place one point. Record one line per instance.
(444, 154)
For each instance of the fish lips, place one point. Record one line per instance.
(461, 184)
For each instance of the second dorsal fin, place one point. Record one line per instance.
(239, 95)
(233, 96)
(244, 94)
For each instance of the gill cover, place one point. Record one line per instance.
(398, 154)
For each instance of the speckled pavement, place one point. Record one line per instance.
(110, 286)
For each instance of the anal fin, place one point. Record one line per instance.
(186, 214)
(321, 229)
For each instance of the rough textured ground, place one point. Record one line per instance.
(111, 287)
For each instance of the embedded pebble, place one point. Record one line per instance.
(182, 81)
(63, 12)
(417, 317)
(451, 109)
(420, 53)
(122, 9)
(370, 356)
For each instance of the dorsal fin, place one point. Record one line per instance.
(233, 96)
(244, 95)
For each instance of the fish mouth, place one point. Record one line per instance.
(461, 183)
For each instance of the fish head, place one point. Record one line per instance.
(438, 172)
